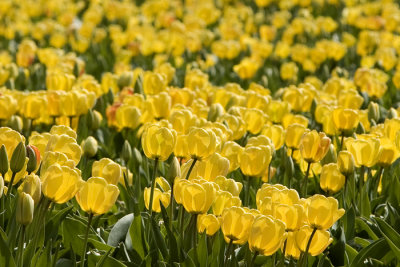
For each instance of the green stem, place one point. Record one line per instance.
(306, 179)
(247, 197)
(86, 239)
(341, 142)
(21, 246)
(191, 168)
(305, 256)
(282, 263)
(153, 181)
(171, 206)
(228, 252)
(10, 187)
(360, 183)
(269, 172)
(253, 259)
(194, 230)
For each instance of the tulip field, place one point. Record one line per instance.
(199, 133)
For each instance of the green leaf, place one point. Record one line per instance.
(377, 249)
(362, 225)
(391, 236)
(136, 236)
(173, 245)
(6, 258)
(361, 242)
(107, 262)
(54, 223)
(351, 253)
(158, 238)
(119, 230)
(71, 229)
(365, 204)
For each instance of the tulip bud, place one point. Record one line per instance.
(90, 146)
(126, 153)
(97, 118)
(18, 158)
(4, 166)
(174, 170)
(125, 79)
(289, 167)
(392, 113)
(137, 157)
(89, 119)
(373, 111)
(25, 207)
(330, 156)
(15, 123)
(32, 186)
(216, 110)
(32, 160)
(360, 128)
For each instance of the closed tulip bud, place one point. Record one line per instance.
(229, 185)
(322, 212)
(291, 215)
(360, 129)
(224, 200)
(158, 142)
(208, 223)
(392, 113)
(331, 179)
(294, 132)
(15, 123)
(198, 198)
(346, 163)
(25, 208)
(330, 156)
(107, 169)
(18, 158)
(266, 235)
(137, 156)
(236, 224)
(289, 167)
(374, 111)
(96, 196)
(292, 249)
(314, 146)
(174, 170)
(255, 160)
(97, 118)
(215, 111)
(4, 165)
(90, 146)
(319, 243)
(202, 143)
(32, 186)
(365, 152)
(345, 119)
(126, 153)
(33, 155)
(60, 183)
(125, 79)
(159, 198)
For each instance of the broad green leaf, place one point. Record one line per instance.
(377, 250)
(64, 263)
(362, 225)
(391, 236)
(71, 229)
(158, 238)
(351, 253)
(119, 230)
(51, 229)
(108, 262)
(136, 236)
(174, 250)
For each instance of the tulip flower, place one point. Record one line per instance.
(365, 151)
(208, 223)
(107, 169)
(209, 169)
(322, 212)
(331, 179)
(236, 224)
(158, 142)
(159, 198)
(202, 143)
(293, 136)
(197, 198)
(345, 161)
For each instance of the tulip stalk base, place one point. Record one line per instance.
(304, 258)
(305, 184)
(21, 246)
(86, 239)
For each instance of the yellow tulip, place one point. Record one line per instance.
(127, 116)
(266, 235)
(179, 184)
(255, 160)
(181, 146)
(293, 135)
(276, 133)
(314, 146)
(235, 123)
(236, 224)
(292, 250)
(154, 83)
(388, 153)
(182, 120)
(62, 129)
(391, 128)
(224, 200)
(291, 215)
(158, 142)
(231, 151)
(319, 243)
(365, 151)
(198, 198)
(159, 197)
(345, 119)
(60, 183)
(331, 179)
(299, 99)
(159, 105)
(322, 212)
(8, 106)
(202, 143)
(255, 119)
(96, 196)
(346, 162)
(208, 169)
(276, 110)
(260, 140)
(66, 145)
(50, 158)
(229, 185)
(208, 223)
(10, 139)
(32, 186)
(107, 169)
(290, 119)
